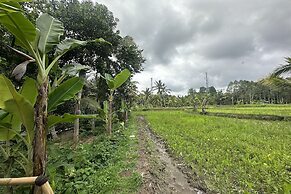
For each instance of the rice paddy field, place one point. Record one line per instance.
(280, 110)
(229, 155)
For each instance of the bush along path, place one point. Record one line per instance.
(160, 172)
(101, 164)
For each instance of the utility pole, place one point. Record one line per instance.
(205, 100)
(206, 80)
(151, 85)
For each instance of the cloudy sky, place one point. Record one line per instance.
(229, 39)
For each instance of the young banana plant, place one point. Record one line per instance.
(17, 112)
(38, 41)
(69, 70)
(196, 102)
(113, 84)
(124, 110)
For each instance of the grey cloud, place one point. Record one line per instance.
(273, 28)
(176, 87)
(173, 33)
(228, 45)
(242, 39)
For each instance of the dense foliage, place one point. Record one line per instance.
(98, 165)
(29, 109)
(88, 20)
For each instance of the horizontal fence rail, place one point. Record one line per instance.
(40, 181)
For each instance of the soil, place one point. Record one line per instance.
(160, 171)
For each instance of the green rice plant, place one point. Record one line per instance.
(263, 110)
(230, 155)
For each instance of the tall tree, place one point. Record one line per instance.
(162, 91)
(89, 20)
(146, 96)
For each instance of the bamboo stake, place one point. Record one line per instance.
(45, 188)
(17, 181)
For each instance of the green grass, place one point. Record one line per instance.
(232, 156)
(106, 165)
(283, 110)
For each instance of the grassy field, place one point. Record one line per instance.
(280, 110)
(237, 156)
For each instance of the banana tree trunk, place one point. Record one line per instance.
(77, 121)
(92, 125)
(195, 107)
(204, 104)
(125, 116)
(8, 189)
(39, 145)
(110, 113)
(82, 75)
(54, 133)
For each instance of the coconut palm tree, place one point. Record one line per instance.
(147, 93)
(161, 88)
(276, 81)
(162, 91)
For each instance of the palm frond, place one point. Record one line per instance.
(275, 81)
(283, 68)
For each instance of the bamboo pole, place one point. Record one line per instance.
(17, 181)
(45, 188)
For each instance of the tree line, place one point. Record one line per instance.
(273, 89)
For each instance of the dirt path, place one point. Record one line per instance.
(160, 174)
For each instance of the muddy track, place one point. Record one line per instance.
(159, 170)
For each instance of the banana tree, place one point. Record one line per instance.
(11, 119)
(73, 70)
(37, 41)
(196, 102)
(82, 75)
(124, 110)
(93, 107)
(204, 104)
(113, 84)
